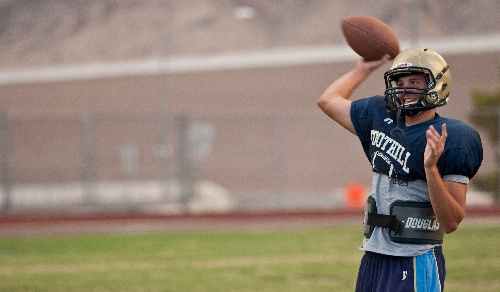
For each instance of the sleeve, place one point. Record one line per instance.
(362, 113)
(457, 178)
(463, 152)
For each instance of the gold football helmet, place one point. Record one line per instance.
(417, 60)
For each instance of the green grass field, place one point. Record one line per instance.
(291, 260)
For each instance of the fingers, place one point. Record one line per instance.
(435, 145)
(431, 135)
(435, 140)
(444, 133)
(373, 65)
(386, 58)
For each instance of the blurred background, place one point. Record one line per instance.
(196, 106)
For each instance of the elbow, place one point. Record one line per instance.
(449, 228)
(452, 225)
(322, 102)
(450, 221)
(327, 103)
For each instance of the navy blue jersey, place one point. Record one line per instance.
(402, 156)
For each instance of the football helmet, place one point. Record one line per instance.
(417, 60)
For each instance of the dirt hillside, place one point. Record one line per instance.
(52, 32)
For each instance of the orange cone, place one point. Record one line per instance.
(355, 196)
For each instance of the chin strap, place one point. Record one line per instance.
(400, 116)
(398, 121)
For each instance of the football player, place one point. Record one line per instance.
(421, 162)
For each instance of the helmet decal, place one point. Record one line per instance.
(402, 65)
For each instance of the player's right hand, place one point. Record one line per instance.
(369, 66)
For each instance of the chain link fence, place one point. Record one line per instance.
(162, 161)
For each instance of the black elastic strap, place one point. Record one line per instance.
(380, 220)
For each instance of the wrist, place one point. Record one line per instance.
(429, 169)
(363, 70)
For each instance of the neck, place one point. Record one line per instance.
(421, 117)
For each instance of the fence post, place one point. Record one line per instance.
(163, 153)
(185, 167)
(88, 160)
(5, 136)
(279, 157)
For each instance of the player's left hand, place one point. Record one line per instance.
(435, 145)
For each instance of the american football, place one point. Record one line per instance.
(369, 37)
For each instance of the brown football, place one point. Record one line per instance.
(369, 37)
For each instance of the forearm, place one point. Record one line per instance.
(334, 101)
(345, 85)
(447, 198)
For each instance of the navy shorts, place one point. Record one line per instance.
(380, 273)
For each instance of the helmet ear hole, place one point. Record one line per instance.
(443, 88)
